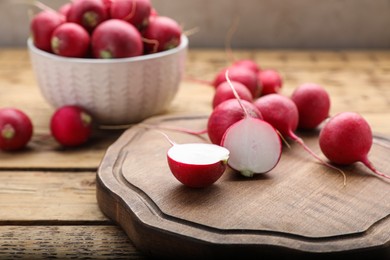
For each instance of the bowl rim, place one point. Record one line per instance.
(183, 45)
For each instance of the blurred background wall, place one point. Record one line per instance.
(330, 24)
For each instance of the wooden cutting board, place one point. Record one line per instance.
(300, 208)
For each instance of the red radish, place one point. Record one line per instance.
(153, 12)
(42, 26)
(347, 138)
(254, 145)
(71, 125)
(270, 81)
(136, 12)
(313, 103)
(282, 113)
(70, 40)
(64, 9)
(116, 38)
(15, 129)
(224, 92)
(162, 33)
(240, 74)
(226, 114)
(197, 165)
(87, 13)
(249, 64)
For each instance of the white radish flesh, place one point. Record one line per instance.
(254, 146)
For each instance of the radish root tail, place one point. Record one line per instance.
(367, 163)
(300, 141)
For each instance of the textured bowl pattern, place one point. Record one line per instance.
(117, 91)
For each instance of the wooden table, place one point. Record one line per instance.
(48, 205)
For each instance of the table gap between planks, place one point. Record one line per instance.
(48, 205)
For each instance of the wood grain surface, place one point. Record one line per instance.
(298, 206)
(48, 195)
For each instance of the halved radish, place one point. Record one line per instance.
(197, 165)
(255, 146)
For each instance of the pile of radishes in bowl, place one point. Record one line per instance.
(104, 29)
(251, 119)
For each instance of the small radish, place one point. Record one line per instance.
(15, 129)
(71, 125)
(313, 103)
(240, 74)
(64, 9)
(136, 12)
(162, 33)
(87, 13)
(116, 38)
(224, 92)
(282, 113)
(42, 26)
(226, 114)
(255, 146)
(70, 40)
(270, 81)
(347, 138)
(249, 64)
(197, 165)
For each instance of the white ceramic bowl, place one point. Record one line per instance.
(114, 91)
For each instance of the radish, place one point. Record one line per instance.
(116, 38)
(162, 33)
(254, 145)
(282, 113)
(197, 165)
(270, 81)
(71, 125)
(224, 92)
(42, 26)
(226, 114)
(15, 129)
(249, 64)
(70, 40)
(136, 12)
(64, 9)
(240, 74)
(87, 13)
(347, 138)
(313, 103)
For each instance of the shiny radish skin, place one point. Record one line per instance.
(197, 165)
(346, 138)
(224, 92)
(162, 33)
(226, 114)
(88, 14)
(313, 103)
(70, 40)
(116, 38)
(42, 26)
(270, 80)
(16, 129)
(240, 74)
(71, 125)
(255, 146)
(136, 12)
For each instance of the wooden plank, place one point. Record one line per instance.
(66, 242)
(48, 196)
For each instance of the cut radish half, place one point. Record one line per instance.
(254, 145)
(197, 165)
